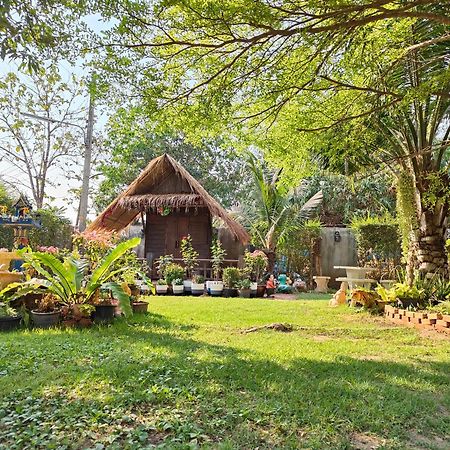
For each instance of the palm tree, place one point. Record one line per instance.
(277, 210)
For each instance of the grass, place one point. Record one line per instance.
(185, 376)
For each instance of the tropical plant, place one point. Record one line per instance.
(231, 277)
(277, 208)
(70, 282)
(218, 254)
(7, 311)
(189, 254)
(161, 282)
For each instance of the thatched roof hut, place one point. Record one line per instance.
(173, 203)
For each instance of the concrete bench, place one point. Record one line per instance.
(322, 283)
(353, 283)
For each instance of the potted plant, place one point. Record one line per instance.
(73, 284)
(47, 312)
(139, 306)
(105, 307)
(255, 264)
(190, 260)
(217, 258)
(198, 285)
(177, 286)
(161, 286)
(173, 272)
(9, 319)
(244, 287)
(231, 277)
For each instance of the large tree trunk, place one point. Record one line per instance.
(428, 245)
(427, 252)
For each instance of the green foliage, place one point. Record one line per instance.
(378, 240)
(345, 197)
(7, 311)
(56, 229)
(217, 257)
(244, 282)
(173, 272)
(69, 281)
(255, 264)
(133, 141)
(178, 281)
(277, 209)
(162, 263)
(406, 209)
(198, 279)
(231, 277)
(188, 254)
(299, 247)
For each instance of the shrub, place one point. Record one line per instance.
(379, 243)
(299, 248)
(172, 272)
(231, 277)
(217, 257)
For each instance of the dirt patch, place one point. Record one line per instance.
(434, 335)
(419, 441)
(364, 441)
(283, 327)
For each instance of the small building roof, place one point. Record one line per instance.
(144, 193)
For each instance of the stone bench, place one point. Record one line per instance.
(322, 283)
(353, 283)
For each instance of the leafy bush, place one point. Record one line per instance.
(299, 247)
(231, 277)
(217, 257)
(172, 272)
(189, 254)
(379, 243)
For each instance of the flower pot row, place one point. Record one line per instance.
(213, 288)
(104, 313)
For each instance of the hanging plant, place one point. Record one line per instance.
(164, 210)
(407, 218)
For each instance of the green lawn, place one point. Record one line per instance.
(186, 376)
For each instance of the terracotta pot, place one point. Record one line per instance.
(260, 290)
(140, 307)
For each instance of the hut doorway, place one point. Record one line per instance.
(164, 233)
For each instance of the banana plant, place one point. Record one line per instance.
(69, 281)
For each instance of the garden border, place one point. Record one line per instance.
(418, 319)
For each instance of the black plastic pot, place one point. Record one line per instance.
(140, 307)
(229, 292)
(9, 323)
(45, 319)
(104, 313)
(244, 293)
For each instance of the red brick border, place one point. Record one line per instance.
(418, 319)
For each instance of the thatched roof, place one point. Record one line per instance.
(144, 193)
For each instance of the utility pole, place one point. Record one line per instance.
(84, 196)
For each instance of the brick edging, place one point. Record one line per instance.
(418, 319)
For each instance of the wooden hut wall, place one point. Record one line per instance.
(164, 233)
